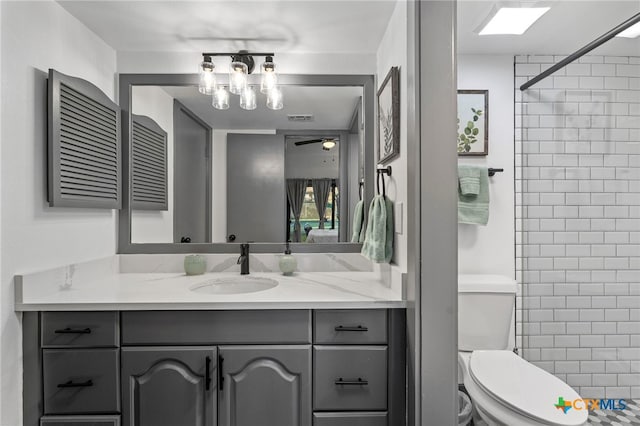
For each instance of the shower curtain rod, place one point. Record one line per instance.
(586, 49)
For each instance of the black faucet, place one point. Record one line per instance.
(243, 260)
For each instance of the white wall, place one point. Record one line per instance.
(392, 51)
(490, 249)
(37, 36)
(152, 226)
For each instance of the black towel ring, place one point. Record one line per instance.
(384, 171)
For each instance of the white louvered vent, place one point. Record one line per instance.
(84, 145)
(149, 165)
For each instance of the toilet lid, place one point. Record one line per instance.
(525, 388)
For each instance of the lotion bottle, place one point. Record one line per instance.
(287, 262)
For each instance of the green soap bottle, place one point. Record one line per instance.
(287, 262)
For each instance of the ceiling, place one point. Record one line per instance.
(300, 26)
(326, 26)
(565, 28)
(332, 108)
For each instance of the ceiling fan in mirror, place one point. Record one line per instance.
(327, 143)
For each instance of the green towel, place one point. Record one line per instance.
(469, 179)
(357, 235)
(474, 209)
(378, 241)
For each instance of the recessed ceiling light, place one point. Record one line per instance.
(631, 32)
(513, 20)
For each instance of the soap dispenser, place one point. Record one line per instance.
(287, 262)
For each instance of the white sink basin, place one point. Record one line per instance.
(234, 285)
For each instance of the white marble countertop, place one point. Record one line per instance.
(74, 289)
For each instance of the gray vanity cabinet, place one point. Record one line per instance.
(215, 368)
(265, 385)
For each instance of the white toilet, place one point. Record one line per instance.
(504, 388)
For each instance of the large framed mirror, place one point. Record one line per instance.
(200, 179)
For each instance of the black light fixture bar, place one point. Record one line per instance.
(581, 52)
(240, 53)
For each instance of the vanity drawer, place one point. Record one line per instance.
(338, 372)
(216, 327)
(81, 381)
(368, 326)
(80, 421)
(79, 329)
(350, 419)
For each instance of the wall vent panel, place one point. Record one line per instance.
(84, 158)
(148, 164)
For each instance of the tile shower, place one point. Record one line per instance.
(578, 222)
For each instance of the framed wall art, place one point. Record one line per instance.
(473, 122)
(388, 144)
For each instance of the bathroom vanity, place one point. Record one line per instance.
(300, 354)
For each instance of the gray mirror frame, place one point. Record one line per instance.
(126, 81)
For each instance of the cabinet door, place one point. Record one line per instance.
(169, 386)
(265, 385)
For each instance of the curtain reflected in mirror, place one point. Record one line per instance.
(296, 190)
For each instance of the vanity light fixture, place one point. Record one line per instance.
(631, 32)
(269, 76)
(207, 76)
(238, 73)
(248, 98)
(220, 98)
(512, 20)
(274, 99)
(242, 65)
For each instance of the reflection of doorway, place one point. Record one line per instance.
(192, 177)
(308, 157)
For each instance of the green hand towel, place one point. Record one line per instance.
(469, 179)
(357, 236)
(474, 209)
(378, 242)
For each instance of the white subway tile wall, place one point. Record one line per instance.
(578, 222)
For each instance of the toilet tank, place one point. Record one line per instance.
(485, 311)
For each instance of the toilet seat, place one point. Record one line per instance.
(524, 388)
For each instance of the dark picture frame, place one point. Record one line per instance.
(473, 123)
(388, 140)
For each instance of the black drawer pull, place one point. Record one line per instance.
(71, 384)
(358, 382)
(74, 331)
(358, 328)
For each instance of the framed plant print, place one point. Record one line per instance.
(473, 122)
(388, 144)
